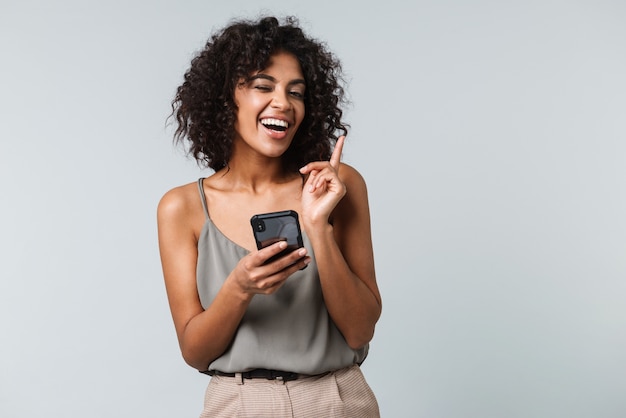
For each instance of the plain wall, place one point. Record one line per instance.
(492, 138)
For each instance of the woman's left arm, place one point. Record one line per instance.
(336, 219)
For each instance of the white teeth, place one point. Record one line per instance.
(275, 122)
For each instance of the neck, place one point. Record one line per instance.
(255, 175)
(249, 170)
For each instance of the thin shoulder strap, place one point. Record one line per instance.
(203, 197)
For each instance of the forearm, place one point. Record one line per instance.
(352, 305)
(208, 334)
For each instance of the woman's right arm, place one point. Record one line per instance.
(203, 335)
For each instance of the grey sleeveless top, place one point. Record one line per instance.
(289, 330)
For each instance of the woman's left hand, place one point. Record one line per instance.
(323, 188)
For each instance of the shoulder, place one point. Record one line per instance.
(355, 201)
(354, 181)
(179, 202)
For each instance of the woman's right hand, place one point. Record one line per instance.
(253, 276)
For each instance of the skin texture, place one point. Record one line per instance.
(256, 181)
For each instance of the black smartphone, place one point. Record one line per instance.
(272, 227)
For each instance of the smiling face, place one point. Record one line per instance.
(270, 107)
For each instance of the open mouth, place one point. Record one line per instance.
(275, 124)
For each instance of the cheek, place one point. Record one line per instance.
(246, 114)
(300, 112)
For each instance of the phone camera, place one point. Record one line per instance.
(260, 226)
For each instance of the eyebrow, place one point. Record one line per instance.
(273, 80)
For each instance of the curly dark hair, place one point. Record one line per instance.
(204, 105)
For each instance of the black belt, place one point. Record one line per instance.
(260, 374)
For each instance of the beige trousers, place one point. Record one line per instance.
(343, 393)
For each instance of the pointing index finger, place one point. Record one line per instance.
(335, 158)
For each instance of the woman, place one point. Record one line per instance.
(260, 106)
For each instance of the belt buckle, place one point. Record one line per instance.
(270, 375)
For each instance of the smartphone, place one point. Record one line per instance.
(272, 227)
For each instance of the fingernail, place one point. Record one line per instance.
(282, 244)
(302, 252)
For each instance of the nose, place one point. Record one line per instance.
(280, 100)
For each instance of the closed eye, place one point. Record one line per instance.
(297, 94)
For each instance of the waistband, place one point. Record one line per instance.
(262, 374)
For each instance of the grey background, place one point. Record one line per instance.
(491, 135)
